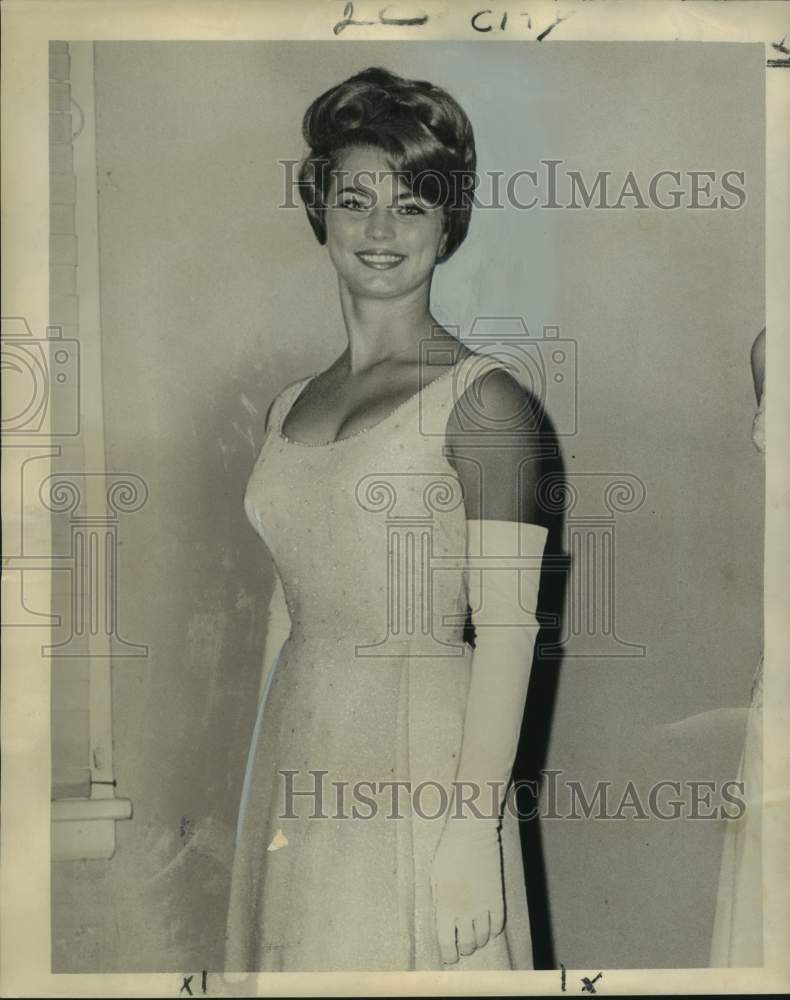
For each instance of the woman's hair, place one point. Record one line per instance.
(423, 132)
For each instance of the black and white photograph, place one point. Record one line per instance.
(395, 549)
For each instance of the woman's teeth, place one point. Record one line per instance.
(380, 261)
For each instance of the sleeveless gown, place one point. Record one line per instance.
(367, 535)
(737, 939)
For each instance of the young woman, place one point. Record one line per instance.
(373, 831)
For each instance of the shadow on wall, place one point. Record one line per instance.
(532, 753)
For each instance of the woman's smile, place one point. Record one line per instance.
(380, 260)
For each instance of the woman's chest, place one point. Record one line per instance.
(384, 479)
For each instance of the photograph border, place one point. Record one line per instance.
(28, 26)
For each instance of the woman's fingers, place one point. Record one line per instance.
(445, 933)
(462, 925)
(497, 918)
(482, 927)
(466, 936)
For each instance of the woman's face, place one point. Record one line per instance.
(382, 239)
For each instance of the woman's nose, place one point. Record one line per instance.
(380, 225)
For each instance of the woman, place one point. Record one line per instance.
(738, 924)
(377, 481)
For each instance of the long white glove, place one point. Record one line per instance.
(466, 874)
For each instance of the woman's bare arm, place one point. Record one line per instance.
(758, 364)
(493, 443)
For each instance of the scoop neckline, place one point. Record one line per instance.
(364, 430)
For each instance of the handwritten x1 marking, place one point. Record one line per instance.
(587, 984)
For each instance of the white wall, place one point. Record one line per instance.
(212, 299)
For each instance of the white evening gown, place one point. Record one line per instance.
(353, 526)
(738, 925)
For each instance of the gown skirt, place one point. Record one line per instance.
(737, 939)
(738, 925)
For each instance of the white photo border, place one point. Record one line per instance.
(28, 26)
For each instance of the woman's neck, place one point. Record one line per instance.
(382, 330)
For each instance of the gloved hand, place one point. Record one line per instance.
(466, 884)
(466, 871)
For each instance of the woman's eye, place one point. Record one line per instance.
(353, 203)
(411, 210)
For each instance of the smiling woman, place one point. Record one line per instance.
(367, 680)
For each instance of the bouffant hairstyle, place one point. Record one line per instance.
(422, 131)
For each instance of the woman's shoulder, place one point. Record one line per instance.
(494, 390)
(284, 396)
